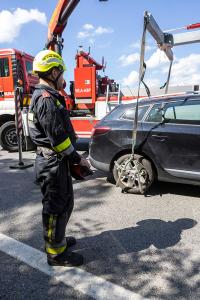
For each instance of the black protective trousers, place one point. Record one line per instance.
(55, 181)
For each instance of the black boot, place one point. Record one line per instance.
(66, 259)
(70, 241)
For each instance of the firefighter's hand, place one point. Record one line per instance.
(84, 163)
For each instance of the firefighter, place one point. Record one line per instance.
(51, 130)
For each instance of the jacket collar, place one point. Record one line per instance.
(49, 89)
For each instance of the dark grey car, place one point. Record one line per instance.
(168, 141)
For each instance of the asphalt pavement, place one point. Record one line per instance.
(147, 245)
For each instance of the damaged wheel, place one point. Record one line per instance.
(135, 176)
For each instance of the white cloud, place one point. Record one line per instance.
(89, 31)
(131, 80)
(11, 22)
(101, 30)
(153, 82)
(186, 70)
(129, 59)
(137, 45)
(83, 34)
(158, 58)
(88, 27)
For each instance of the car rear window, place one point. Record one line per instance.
(130, 113)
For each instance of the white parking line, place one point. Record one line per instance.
(78, 279)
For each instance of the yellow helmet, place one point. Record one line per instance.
(45, 60)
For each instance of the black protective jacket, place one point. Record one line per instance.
(49, 123)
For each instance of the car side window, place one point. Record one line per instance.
(155, 114)
(130, 113)
(186, 112)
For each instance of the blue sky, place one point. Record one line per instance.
(113, 29)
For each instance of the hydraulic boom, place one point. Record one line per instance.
(58, 23)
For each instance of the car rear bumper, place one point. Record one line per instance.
(99, 165)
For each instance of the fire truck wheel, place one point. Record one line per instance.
(8, 136)
(131, 176)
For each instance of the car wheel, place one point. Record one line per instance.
(129, 180)
(8, 136)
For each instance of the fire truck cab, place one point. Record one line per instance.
(14, 65)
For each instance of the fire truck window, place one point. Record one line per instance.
(4, 67)
(29, 66)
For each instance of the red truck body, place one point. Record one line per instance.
(88, 101)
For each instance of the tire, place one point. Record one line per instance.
(8, 136)
(146, 174)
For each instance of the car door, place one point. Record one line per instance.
(174, 143)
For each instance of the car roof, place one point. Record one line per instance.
(161, 98)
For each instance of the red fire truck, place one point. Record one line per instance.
(91, 95)
(14, 65)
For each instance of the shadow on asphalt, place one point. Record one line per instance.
(161, 188)
(129, 252)
(150, 232)
(134, 257)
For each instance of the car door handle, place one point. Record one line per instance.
(159, 137)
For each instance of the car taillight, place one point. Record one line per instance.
(100, 130)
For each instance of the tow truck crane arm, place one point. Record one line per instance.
(58, 23)
(166, 40)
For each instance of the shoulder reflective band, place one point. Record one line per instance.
(63, 146)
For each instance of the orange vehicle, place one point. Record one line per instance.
(14, 65)
(91, 95)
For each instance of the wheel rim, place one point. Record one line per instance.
(11, 137)
(131, 174)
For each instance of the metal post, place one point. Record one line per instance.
(19, 127)
(119, 95)
(107, 97)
